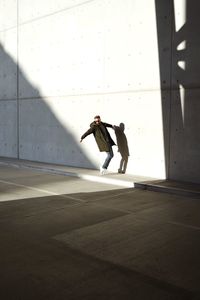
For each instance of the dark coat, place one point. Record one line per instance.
(101, 135)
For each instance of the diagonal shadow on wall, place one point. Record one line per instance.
(180, 87)
(29, 129)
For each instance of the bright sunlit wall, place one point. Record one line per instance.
(77, 59)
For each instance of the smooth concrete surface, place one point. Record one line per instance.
(63, 237)
(113, 178)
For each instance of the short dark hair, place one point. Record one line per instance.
(97, 117)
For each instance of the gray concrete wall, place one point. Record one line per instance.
(178, 22)
(62, 62)
(8, 79)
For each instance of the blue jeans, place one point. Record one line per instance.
(108, 158)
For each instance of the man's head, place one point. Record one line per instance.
(97, 119)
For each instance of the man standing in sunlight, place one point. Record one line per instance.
(103, 140)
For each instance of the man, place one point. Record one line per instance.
(103, 140)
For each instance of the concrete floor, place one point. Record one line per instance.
(63, 237)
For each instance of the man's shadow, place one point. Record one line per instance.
(123, 149)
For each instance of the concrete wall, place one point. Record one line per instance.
(64, 61)
(8, 79)
(178, 25)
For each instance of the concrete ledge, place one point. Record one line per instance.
(171, 187)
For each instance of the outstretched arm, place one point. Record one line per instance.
(88, 132)
(109, 125)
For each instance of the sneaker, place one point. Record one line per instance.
(102, 171)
